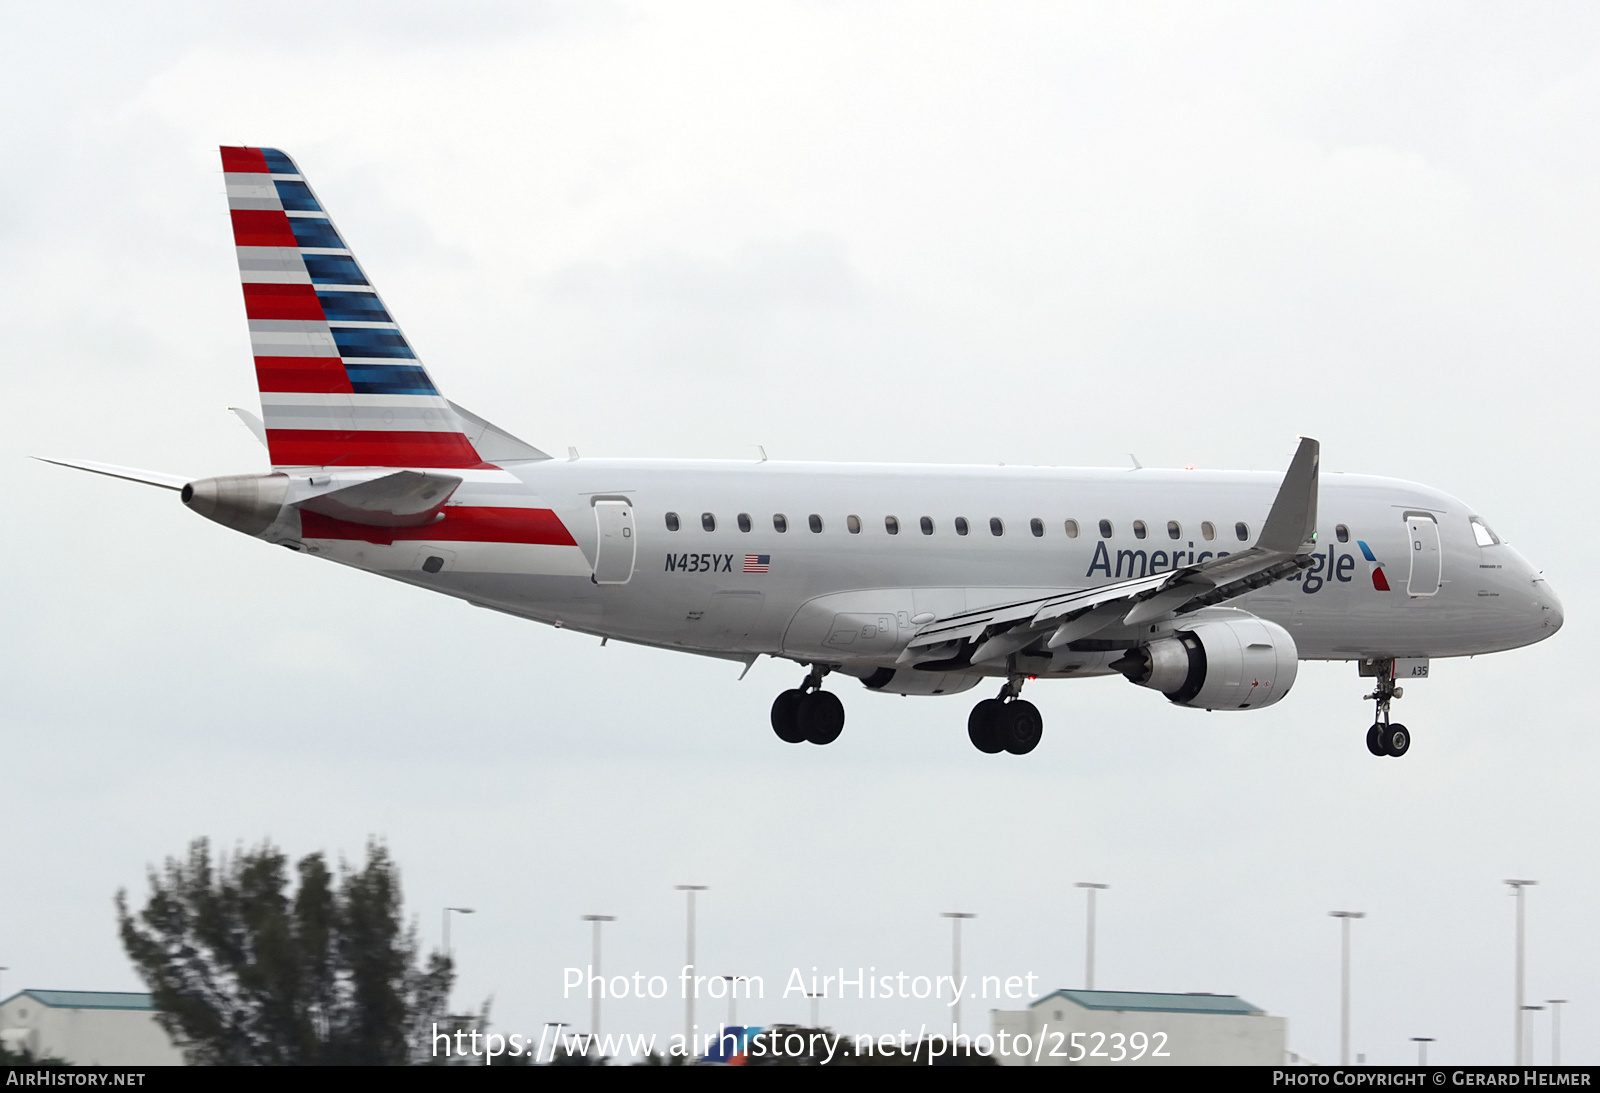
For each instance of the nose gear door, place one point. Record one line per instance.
(1422, 532)
(615, 542)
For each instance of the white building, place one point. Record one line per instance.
(87, 1028)
(1134, 1028)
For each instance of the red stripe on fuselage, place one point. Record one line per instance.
(244, 161)
(370, 448)
(282, 302)
(309, 375)
(261, 228)
(461, 524)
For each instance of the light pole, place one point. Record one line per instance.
(1422, 1043)
(955, 918)
(1531, 1052)
(733, 997)
(1344, 918)
(594, 999)
(447, 913)
(3, 970)
(1517, 886)
(816, 1018)
(558, 1026)
(690, 988)
(1555, 1005)
(1088, 960)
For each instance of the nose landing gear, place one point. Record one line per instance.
(1006, 722)
(1385, 738)
(808, 712)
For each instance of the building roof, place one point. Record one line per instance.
(88, 1000)
(1155, 1002)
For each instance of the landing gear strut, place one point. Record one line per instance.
(808, 712)
(1385, 738)
(1006, 722)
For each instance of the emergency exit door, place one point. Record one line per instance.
(615, 543)
(1426, 562)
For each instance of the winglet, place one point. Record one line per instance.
(1292, 523)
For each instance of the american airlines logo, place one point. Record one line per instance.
(1328, 565)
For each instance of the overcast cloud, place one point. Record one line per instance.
(1020, 233)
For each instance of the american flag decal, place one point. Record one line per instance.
(757, 563)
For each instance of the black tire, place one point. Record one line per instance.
(1375, 741)
(1021, 727)
(821, 717)
(786, 719)
(980, 726)
(1397, 741)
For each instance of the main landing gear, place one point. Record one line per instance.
(1006, 722)
(1385, 738)
(808, 712)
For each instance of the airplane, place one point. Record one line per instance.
(1206, 586)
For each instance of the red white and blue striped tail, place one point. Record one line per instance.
(340, 385)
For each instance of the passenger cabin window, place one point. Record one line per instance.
(1208, 530)
(853, 524)
(961, 525)
(744, 521)
(1241, 531)
(1174, 530)
(1481, 533)
(1036, 525)
(672, 521)
(816, 523)
(708, 521)
(780, 523)
(1072, 529)
(1139, 530)
(1105, 529)
(996, 527)
(891, 524)
(927, 525)
(1342, 533)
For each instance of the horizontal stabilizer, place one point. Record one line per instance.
(405, 499)
(131, 474)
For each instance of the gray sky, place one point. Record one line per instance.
(917, 232)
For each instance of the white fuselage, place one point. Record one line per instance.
(854, 599)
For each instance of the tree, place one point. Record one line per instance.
(241, 972)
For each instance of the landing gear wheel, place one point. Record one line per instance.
(1397, 741)
(1019, 727)
(981, 726)
(786, 717)
(1375, 741)
(821, 717)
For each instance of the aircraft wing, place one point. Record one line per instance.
(1283, 549)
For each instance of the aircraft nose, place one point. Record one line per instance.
(1549, 604)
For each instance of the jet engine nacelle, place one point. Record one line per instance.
(1232, 664)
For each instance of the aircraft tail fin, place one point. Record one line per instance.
(340, 384)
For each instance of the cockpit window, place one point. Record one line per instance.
(1481, 532)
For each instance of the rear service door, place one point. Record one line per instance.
(615, 543)
(1423, 533)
